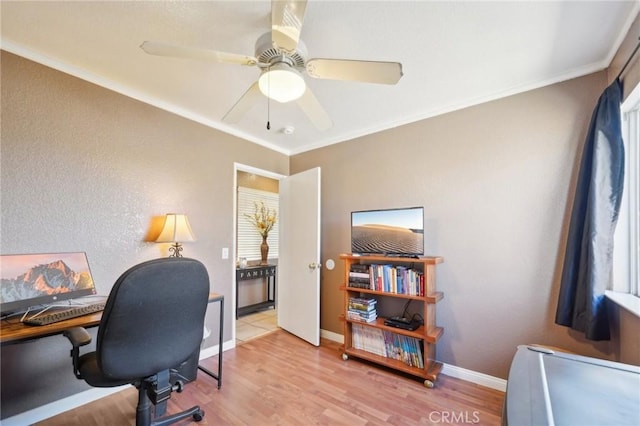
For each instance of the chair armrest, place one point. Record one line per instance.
(78, 336)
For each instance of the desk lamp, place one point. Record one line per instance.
(176, 229)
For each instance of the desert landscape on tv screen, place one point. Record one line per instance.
(388, 232)
(384, 239)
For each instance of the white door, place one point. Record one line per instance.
(298, 293)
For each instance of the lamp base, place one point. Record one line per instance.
(176, 250)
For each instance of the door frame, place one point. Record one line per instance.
(239, 167)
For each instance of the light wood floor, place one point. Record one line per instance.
(255, 325)
(279, 379)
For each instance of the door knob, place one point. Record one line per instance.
(314, 265)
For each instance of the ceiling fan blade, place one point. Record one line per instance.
(286, 23)
(314, 111)
(244, 104)
(364, 71)
(164, 49)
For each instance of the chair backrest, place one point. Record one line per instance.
(153, 319)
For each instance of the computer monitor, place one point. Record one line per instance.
(31, 280)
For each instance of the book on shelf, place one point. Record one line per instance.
(359, 284)
(362, 275)
(359, 276)
(388, 344)
(358, 316)
(364, 300)
(359, 267)
(404, 348)
(366, 281)
(396, 279)
(362, 309)
(362, 313)
(368, 339)
(362, 303)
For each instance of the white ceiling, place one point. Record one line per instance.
(454, 54)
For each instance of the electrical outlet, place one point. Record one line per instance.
(225, 252)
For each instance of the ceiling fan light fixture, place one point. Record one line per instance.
(282, 83)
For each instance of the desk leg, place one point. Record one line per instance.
(218, 376)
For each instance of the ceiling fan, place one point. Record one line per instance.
(282, 59)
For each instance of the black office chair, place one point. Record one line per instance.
(152, 324)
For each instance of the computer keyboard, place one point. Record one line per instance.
(77, 311)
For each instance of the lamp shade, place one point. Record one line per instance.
(282, 83)
(176, 229)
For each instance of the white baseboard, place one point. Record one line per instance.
(474, 377)
(330, 335)
(60, 406)
(213, 350)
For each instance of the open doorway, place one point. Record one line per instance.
(298, 262)
(255, 287)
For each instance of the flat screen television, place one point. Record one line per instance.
(30, 280)
(391, 232)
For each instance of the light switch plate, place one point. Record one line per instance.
(225, 252)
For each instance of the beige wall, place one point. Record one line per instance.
(494, 180)
(250, 180)
(86, 169)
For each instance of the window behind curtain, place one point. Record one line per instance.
(627, 237)
(249, 239)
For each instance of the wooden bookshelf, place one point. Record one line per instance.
(427, 334)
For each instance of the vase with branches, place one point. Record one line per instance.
(263, 219)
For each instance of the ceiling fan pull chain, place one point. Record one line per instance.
(269, 100)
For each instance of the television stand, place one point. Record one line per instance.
(416, 341)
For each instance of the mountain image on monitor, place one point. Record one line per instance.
(55, 277)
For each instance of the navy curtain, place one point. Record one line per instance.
(587, 263)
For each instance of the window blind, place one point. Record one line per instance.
(249, 239)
